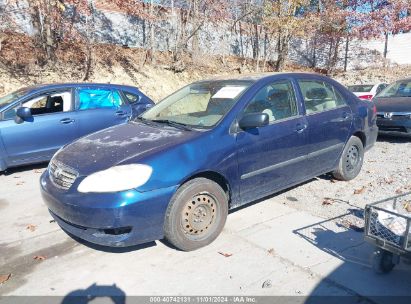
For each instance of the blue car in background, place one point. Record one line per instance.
(37, 121)
(214, 145)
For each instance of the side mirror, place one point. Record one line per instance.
(24, 113)
(253, 120)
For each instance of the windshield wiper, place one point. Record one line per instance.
(173, 123)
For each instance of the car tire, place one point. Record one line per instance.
(196, 214)
(351, 160)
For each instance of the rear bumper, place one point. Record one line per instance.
(110, 219)
(371, 138)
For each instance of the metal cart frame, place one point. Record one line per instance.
(390, 246)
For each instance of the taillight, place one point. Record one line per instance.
(374, 110)
(366, 97)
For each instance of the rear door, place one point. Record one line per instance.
(98, 108)
(329, 123)
(52, 126)
(138, 102)
(272, 156)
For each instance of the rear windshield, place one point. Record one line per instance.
(360, 88)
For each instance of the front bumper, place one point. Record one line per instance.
(397, 125)
(110, 219)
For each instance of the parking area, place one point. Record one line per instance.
(307, 240)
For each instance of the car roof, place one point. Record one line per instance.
(404, 79)
(51, 86)
(254, 77)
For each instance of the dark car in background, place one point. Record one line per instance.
(37, 121)
(394, 108)
(212, 146)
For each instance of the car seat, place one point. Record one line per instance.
(54, 104)
(279, 103)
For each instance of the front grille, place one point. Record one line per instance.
(61, 175)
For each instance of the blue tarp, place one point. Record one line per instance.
(95, 99)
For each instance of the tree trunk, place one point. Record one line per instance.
(346, 54)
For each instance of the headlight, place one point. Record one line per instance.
(116, 179)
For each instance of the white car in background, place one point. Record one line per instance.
(367, 91)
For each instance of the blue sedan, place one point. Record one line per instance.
(175, 171)
(36, 121)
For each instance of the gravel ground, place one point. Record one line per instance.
(386, 173)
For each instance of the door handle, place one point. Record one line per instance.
(300, 128)
(121, 113)
(67, 121)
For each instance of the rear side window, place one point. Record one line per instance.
(98, 99)
(132, 98)
(320, 96)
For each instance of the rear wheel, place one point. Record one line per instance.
(196, 214)
(351, 160)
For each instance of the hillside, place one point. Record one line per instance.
(126, 66)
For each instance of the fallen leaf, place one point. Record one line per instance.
(333, 181)
(52, 221)
(369, 171)
(39, 257)
(16, 176)
(38, 171)
(271, 251)
(388, 180)
(359, 191)
(407, 206)
(31, 227)
(328, 201)
(349, 225)
(4, 278)
(19, 183)
(227, 255)
(398, 191)
(267, 284)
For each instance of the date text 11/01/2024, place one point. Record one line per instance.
(203, 299)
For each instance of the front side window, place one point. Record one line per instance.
(44, 104)
(320, 96)
(277, 100)
(98, 99)
(397, 89)
(201, 104)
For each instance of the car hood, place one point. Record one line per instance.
(393, 104)
(120, 145)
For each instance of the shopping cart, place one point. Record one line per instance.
(387, 226)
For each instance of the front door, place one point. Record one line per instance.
(51, 127)
(273, 156)
(100, 108)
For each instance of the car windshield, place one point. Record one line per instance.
(360, 88)
(5, 100)
(198, 105)
(400, 88)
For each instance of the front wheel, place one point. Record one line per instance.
(196, 214)
(352, 158)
